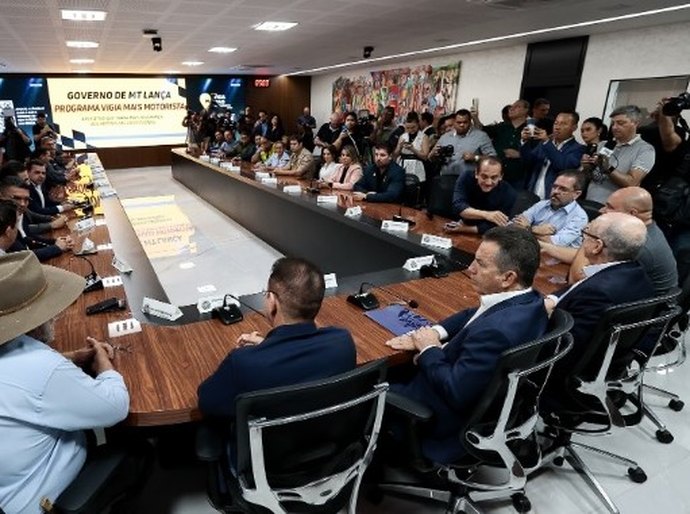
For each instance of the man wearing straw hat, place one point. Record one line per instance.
(46, 399)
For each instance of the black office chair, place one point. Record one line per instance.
(588, 396)
(302, 447)
(441, 196)
(412, 196)
(500, 433)
(524, 200)
(590, 207)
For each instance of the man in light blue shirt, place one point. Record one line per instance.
(46, 399)
(560, 219)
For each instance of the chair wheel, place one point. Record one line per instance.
(637, 475)
(558, 461)
(676, 405)
(664, 436)
(521, 502)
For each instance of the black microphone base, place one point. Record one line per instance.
(365, 301)
(228, 314)
(93, 283)
(410, 222)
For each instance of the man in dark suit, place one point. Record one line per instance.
(383, 180)
(294, 351)
(452, 374)
(39, 201)
(610, 243)
(551, 154)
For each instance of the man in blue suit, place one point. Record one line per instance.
(458, 357)
(294, 351)
(545, 156)
(610, 243)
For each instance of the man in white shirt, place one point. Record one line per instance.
(47, 399)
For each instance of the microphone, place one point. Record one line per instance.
(434, 269)
(93, 281)
(410, 302)
(366, 300)
(111, 304)
(244, 304)
(228, 313)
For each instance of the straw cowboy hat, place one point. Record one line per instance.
(32, 294)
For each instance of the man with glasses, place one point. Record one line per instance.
(610, 244)
(14, 189)
(481, 198)
(558, 220)
(294, 351)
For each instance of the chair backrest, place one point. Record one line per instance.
(511, 398)
(290, 437)
(441, 196)
(590, 207)
(621, 328)
(413, 188)
(524, 200)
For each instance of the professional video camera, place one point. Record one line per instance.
(365, 122)
(444, 154)
(676, 104)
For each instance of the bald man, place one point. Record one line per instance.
(655, 257)
(610, 244)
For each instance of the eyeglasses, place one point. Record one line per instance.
(585, 233)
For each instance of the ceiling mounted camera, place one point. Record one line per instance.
(367, 51)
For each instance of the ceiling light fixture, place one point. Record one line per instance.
(171, 72)
(222, 50)
(76, 15)
(275, 25)
(82, 61)
(81, 72)
(82, 44)
(498, 38)
(192, 63)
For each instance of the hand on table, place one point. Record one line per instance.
(250, 339)
(64, 243)
(496, 217)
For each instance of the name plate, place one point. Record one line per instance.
(205, 158)
(260, 175)
(85, 225)
(292, 190)
(353, 212)
(121, 265)
(327, 199)
(114, 281)
(330, 280)
(415, 263)
(394, 226)
(123, 328)
(100, 222)
(269, 181)
(159, 309)
(208, 303)
(436, 241)
(215, 160)
(105, 246)
(87, 247)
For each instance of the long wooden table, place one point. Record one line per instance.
(166, 362)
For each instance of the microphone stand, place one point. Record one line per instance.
(93, 281)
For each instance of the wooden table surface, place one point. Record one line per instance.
(165, 364)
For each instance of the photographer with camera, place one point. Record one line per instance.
(15, 142)
(672, 196)
(468, 145)
(42, 128)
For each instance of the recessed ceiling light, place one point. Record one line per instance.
(81, 72)
(193, 63)
(222, 49)
(74, 15)
(82, 44)
(81, 61)
(274, 25)
(171, 72)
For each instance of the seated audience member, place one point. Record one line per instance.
(329, 158)
(228, 146)
(655, 257)
(13, 189)
(214, 146)
(301, 163)
(279, 158)
(40, 202)
(263, 152)
(48, 399)
(458, 357)
(468, 143)
(243, 150)
(15, 169)
(329, 132)
(505, 136)
(632, 157)
(413, 148)
(347, 173)
(551, 154)
(8, 225)
(560, 219)
(294, 351)
(275, 130)
(383, 180)
(610, 244)
(481, 199)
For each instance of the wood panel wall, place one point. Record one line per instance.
(286, 96)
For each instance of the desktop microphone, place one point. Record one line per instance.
(434, 269)
(244, 304)
(229, 312)
(111, 304)
(366, 300)
(410, 302)
(93, 281)
(400, 217)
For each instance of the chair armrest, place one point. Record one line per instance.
(408, 407)
(210, 443)
(89, 483)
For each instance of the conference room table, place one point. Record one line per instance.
(164, 364)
